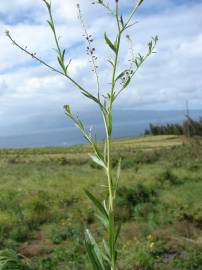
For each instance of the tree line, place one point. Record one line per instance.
(189, 128)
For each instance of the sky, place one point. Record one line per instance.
(30, 92)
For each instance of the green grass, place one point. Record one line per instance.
(44, 210)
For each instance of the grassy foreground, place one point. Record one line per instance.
(43, 209)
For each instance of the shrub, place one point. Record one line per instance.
(129, 198)
(141, 256)
(7, 221)
(36, 209)
(19, 233)
(169, 177)
(66, 232)
(191, 214)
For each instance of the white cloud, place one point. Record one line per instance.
(165, 82)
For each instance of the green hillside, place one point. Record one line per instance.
(43, 209)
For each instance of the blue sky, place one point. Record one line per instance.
(167, 80)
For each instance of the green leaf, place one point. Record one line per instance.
(94, 252)
(118, 232)
(90, 96)
(109, 124)
(97, 160)
(111, 233)
(47, 4)
(97, 151)
(98, 204)
(122, 22)
(105, 151)
(67, 109)
(111, 63)
(80, 124)
(106, 254)
(102, 219)
(140, 2)
(60, 62)
(126, 83)
(121, 75)
(118, 175)
(118, 169)
(51, 25)
(108, 41)
(67, 66)
(106, 248)
(63, 54)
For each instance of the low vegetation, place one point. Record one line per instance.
(44, 213)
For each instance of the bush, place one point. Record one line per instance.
(191, 214)
(7, 221)
(19, 233)
(128, 198)
(66, 232)
(36, 209)
(141, 257)
(148, 157)
(169, 177)
(61, 258)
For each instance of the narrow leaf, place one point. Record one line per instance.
(121, 74)
(98, 204)
(67, 108)
(88, 95)
(126, 83)
(108, 41)
(118, 169)
(63, 54)
(97, 160)
(111, 234)
(60, 62)
(122, 22)
(117, 232)
(47, 4)
(96, 255)
(102, 219)
(111, 63)
(67, 66)
(92, 258)
(51, 25)
(106, 248)
(109, 124)
(140, 2)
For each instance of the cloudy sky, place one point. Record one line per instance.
(30, 92)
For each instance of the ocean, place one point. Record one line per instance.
(127, 123)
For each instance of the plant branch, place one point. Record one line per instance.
(90, 50)
(33, 55)
(142, 59)
(132, 14)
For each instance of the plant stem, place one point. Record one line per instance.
(109, 155)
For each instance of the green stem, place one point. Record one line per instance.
(132, 14)
(108, 126)
(47, 65)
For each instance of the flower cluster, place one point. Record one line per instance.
(90, 49)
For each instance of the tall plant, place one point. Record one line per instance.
(102, 257)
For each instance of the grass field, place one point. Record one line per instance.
(44, 210)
